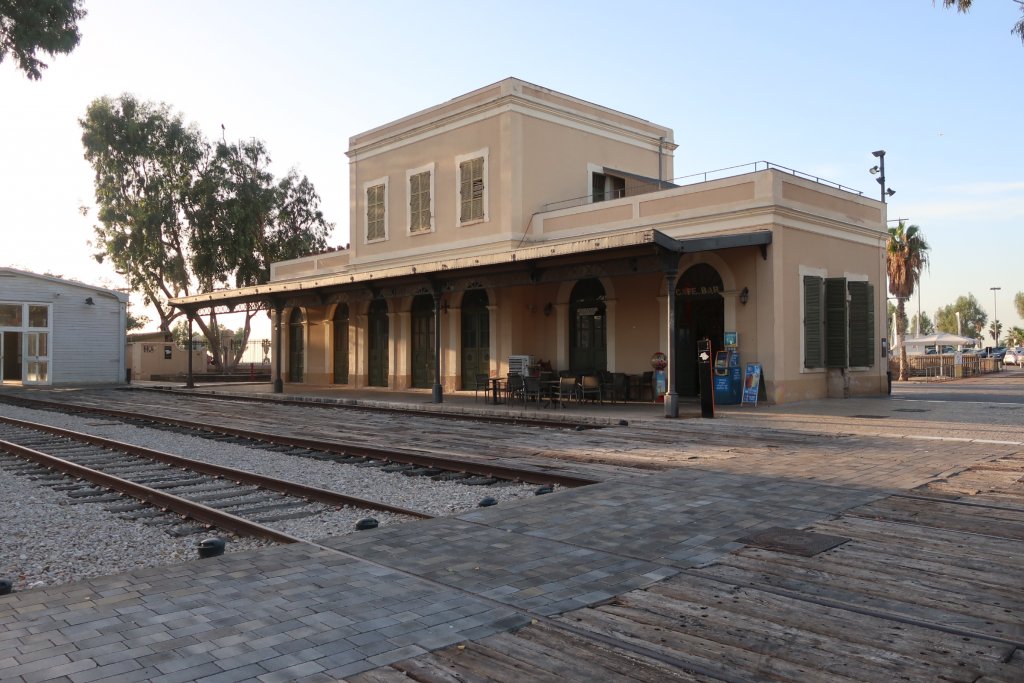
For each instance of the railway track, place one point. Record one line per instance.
(389, 460)
(168, 487)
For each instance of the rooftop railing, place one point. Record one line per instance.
(703, 177)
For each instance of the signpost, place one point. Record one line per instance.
(706, 383)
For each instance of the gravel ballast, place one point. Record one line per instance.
(47, 540)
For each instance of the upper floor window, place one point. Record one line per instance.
(376, 210)
(421, 199)
(472, 187)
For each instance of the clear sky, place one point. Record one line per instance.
(811, 85)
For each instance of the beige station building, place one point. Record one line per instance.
(515, 221)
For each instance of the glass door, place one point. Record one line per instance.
(37, 358)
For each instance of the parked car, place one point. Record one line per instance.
(1014, 356)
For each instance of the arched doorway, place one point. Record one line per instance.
(588, 343)
(476, 337)
(296, 345)
(423, 341)
(700, 313)
(377, 343)
(341, 344)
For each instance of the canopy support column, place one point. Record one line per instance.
(190, 382)
(437, 391)
(668, 255)
(278, 382)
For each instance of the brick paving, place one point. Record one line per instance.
(340, 606)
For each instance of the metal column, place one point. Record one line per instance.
(671, 397)
(278, 382)
(437, 391)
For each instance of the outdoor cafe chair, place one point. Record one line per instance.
(532, 390)
(566, 390)
(515, 389)
(481, 382)
(590, 386)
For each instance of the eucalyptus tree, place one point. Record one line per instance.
(964, 6)
(31, 26)
(906, 254)
(244, 219)
(972, 318)
(922, 326)
(179, 215)
(144, 158)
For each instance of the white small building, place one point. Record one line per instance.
(56, 331)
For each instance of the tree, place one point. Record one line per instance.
(245, 220)
(926, 326)
(906, 254)
(1018, 303)
(28, 26)
(135, 322)
(995, 330)
(972, 318)
(179, 215)
(144, 158)
(964, 6)
(1015, 336)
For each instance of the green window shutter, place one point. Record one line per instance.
(419, 202)
(862, 324)
(836, 326)
(375, 212)
(465, 190)
(471, 189)
(813, 323)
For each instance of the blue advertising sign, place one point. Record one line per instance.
(751, 383)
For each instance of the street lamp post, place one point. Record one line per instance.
(995, 316)
(880, 170)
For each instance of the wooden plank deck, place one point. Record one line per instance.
(927, 588)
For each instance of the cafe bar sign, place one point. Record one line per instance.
(705, 290)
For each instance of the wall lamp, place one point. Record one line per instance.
(744, 296)
(89, 301)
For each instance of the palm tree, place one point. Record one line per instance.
(906, 255)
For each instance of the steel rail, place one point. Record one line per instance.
(405, 457)
(181, 506)
(236, 475)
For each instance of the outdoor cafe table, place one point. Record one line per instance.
(496, 387)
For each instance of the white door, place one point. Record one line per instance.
(37, 358)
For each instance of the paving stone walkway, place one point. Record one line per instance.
(322, 611)
(368, 599)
